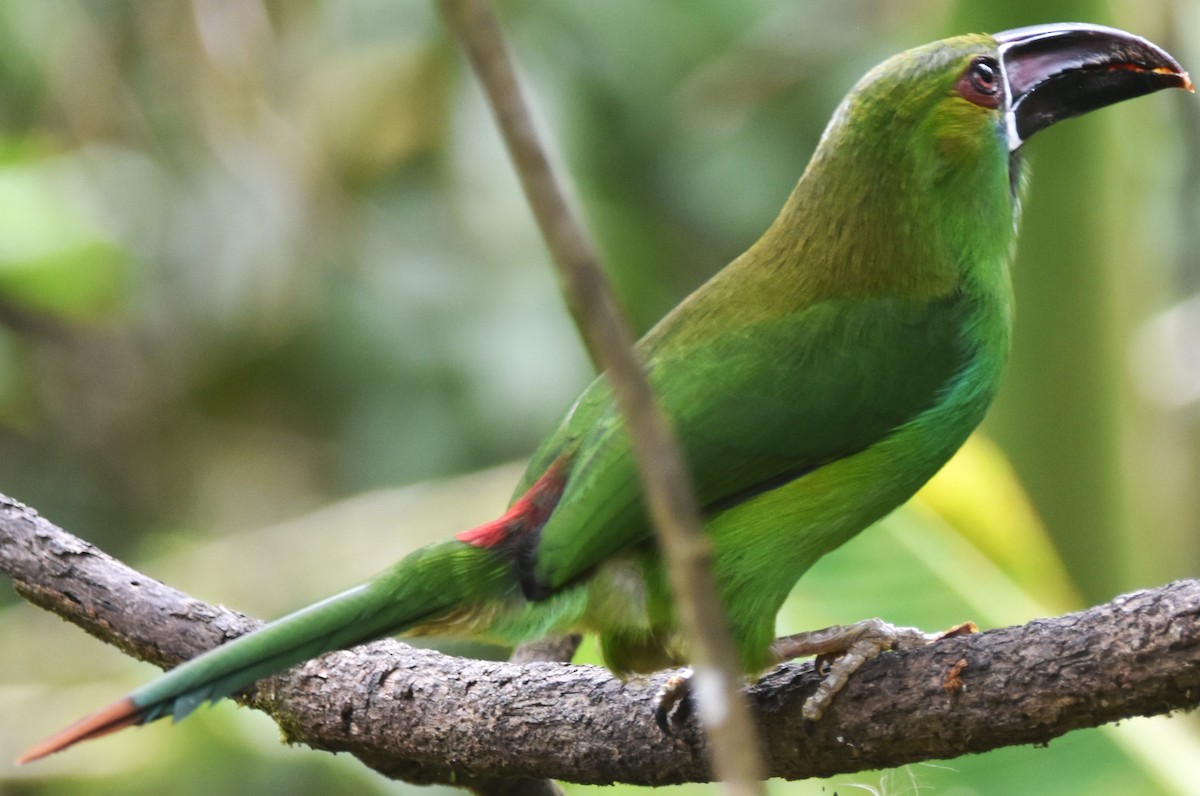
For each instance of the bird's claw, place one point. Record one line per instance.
(842, 650)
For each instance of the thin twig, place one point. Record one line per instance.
(672, 503)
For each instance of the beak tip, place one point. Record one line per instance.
(1182, 78)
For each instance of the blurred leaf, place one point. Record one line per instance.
(375, 108)
(54, 253)
(978, 493)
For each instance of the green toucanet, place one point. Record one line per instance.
(815, 384)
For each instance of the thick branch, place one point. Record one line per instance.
(426, 717)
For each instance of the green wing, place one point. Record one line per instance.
(754, 407)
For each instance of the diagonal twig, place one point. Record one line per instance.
(669, 495)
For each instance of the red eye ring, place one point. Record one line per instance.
(984, 76)
(980, 83)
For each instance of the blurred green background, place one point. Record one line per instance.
(263, 264)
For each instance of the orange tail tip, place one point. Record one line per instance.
(116, 716)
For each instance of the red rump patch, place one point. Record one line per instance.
(528, 513)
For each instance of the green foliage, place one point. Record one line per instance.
(256, 258)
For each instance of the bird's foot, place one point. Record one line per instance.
(842, 650)
(671, 704)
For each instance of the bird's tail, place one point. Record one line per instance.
(428, 584)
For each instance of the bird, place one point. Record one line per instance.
(815, 384)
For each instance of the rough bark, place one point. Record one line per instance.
(425, 717)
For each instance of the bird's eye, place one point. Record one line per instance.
(980, 83)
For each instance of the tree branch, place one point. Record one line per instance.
(426, 717)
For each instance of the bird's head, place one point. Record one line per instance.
(916, 174)
(957, 101)
(915, 179)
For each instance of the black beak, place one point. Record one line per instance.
(1054, 72)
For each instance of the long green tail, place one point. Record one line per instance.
(422, 587)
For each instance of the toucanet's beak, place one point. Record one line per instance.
(1054, 72)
